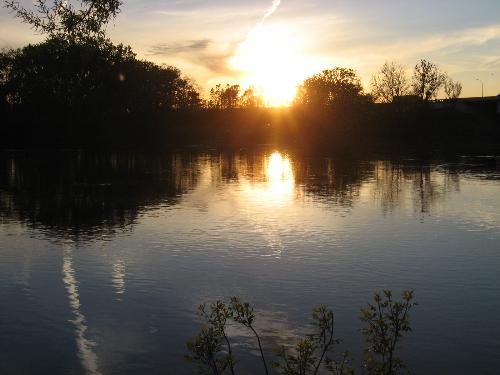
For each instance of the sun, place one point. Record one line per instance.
(270, 59)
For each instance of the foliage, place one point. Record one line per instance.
(387, 321)
(337, 86)
(211, 350)
(427, 80)
(72, 20)
(208, 349)
(89, 76)
(224, 97)
(250, 99)
(229, 97)
(389, 83)
(244, 315)
(58, 72)
(78, 74)
(452, 89)
(205, 351)
(313, 352)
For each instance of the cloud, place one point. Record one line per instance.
(198, 52)
(208, 53)
(364, 48)
(176, 48)
(461, 39)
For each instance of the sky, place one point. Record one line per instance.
(276, 44)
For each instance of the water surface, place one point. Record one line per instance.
(104, 257)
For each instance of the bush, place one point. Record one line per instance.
(386, 323)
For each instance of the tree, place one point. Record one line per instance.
(7, 58)
(389, 83)
(313, 353)
(77, 69)
(224, 97)
(387, 320)
(59, 73)
(90, 78)
(250, 99)
(452, 89)
(158, 86)
(187, 94)
(337, 86)
(427, 80)
(72, 20)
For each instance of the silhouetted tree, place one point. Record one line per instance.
(157, 86)
(250, 99)
(224, 97)
(387, 321)
(230, 97)
(427, 80)
(335, 86)
(89, 79)
(390, 82)
(72, 20)
(215, 100)
(60, 73)
(452, 89)
(78, 72)
(6, 59)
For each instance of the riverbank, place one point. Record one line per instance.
(372, 128)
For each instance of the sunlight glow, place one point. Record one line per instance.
(274, 185)
(271, 60)
(279, 175)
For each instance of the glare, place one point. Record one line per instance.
(267, 194)
(279, 175)
(275, 184)
(271, 60)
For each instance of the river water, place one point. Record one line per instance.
(104, 257)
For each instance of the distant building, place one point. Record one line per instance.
(486, 105)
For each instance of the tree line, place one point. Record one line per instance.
(78, 66)
(78, 88)
(391, 82)
(342, 86)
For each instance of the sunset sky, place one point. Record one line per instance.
(276, 44)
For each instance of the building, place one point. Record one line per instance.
(486, 105)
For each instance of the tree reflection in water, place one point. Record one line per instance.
(87, 195)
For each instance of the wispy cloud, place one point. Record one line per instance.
(461, 39)
(198, 52)
(370, 50)
(188, 46)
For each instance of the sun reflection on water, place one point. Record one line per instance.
(265, 195)
(270, 183)
(279, 175)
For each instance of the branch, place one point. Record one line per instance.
(325, 347)
(260, 348)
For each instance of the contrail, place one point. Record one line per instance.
(269, 12)
(244, 47)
